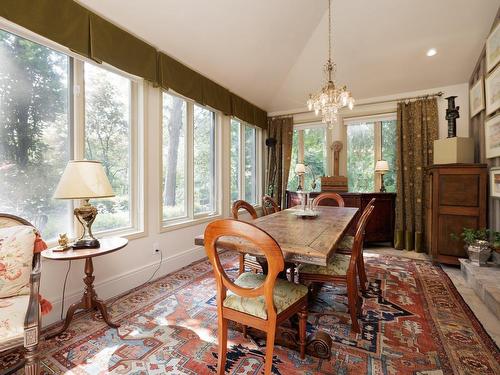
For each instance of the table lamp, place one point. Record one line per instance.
(84, 179)
(380, 167)
(300, 170)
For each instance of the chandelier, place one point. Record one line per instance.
(331, 98)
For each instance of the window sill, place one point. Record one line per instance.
(174, 225)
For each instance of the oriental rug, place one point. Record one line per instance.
(414, 322)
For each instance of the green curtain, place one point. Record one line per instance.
(417, 128)
(279, 157)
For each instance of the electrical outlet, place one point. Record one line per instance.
(156, 248)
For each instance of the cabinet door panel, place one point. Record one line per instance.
(453, 224)
(459, 190)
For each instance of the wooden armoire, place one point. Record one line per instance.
(456, 198)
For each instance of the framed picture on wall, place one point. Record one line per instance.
(492, 137)
(495, 182)
(493, 48)
(476, 97)
(492, 88)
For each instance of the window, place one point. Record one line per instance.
(309, 148)
(369, 140)
(107, 139)
(34, 132)
(189, 161)
(245, 161)
(39, 134)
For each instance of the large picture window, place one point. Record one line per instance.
(189, 161)
(309, 148)
(39, 133)
(245, 161)
(107, 139)
(369, 140)
(34, 132)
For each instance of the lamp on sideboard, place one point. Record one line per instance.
(381, 167)
(84, 179)
(300, 170)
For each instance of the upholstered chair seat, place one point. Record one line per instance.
(337, 266)
(12, 313)
(285, 294)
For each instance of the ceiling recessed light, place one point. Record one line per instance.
(431, 52)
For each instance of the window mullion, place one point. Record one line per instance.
(242, 161)
(78, 122)
(190, 159)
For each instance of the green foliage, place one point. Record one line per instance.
(470, 236)
(389, 153)
(34, 142)
(361, 157)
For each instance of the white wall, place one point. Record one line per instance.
(127, 268)
(363, 108)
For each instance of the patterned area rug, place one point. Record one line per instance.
(414, 322)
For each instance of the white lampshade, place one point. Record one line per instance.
(381, 166)
(83, 179)
(300, 168)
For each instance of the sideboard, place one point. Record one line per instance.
(380, 228)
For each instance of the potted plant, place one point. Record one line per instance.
(476, 244)
(495, 244)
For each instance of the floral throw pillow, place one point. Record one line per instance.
(16, 254)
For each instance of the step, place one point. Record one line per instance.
(485, 281)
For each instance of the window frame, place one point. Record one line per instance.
(377, 120)
(241, 164)
(190, 218)
(76, 131)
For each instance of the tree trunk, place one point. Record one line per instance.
(174, 132)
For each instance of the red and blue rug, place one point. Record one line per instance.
(414, 322)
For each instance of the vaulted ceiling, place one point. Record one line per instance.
(271, 52)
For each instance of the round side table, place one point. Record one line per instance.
(89, 299)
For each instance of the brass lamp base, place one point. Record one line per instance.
(86, 215)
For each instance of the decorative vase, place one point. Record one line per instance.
(479, 252)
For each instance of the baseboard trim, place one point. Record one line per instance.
(119, 284)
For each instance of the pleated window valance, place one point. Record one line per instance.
(75, 27)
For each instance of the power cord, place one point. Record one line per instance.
(147, 281)
(64, 289)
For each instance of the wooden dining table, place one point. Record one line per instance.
(303, 241)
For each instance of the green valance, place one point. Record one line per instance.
(216, 96)
(178, 77)
(64, 22)
(116, 47)
(73, 26)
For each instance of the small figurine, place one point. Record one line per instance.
(63, 242)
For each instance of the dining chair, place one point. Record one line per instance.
(328, 196)
(345, 247)
(269, 205)
(244, 260)
(341, 268)
(257, 300)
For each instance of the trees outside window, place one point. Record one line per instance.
(34, 132)
(369, 140)
(107, 139)
(309, 148)
(245, 162)
(189, 161)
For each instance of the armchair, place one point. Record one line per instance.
(20, 302)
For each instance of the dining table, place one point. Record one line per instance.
(309, 239)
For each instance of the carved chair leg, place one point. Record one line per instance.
(32, 366)
(302, 331)
(271, 333)
(361, 272)
(241, 268)
(352, 297)
(245, 335)
(292, 273)
(221, 363)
